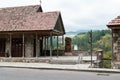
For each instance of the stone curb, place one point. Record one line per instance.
(69, 69)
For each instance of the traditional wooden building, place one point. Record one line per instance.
(115, 26)
(25, 31)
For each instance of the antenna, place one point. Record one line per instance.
(40, 2)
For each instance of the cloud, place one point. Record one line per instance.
(77, 14)
(85, 14)
(12, 3)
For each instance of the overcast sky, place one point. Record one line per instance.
(76, 14)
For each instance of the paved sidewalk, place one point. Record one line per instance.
(77, 67)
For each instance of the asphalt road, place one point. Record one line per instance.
(36, 74)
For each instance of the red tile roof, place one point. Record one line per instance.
(38, 21)
(114, 22)
(27, 19)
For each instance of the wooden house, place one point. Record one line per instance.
(25, 31)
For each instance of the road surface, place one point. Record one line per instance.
(37, 74)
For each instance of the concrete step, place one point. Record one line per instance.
(26, 60)
(63, 61)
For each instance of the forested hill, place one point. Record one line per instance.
(101, 40)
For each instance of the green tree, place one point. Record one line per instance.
(101, 40)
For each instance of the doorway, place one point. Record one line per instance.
(2, 47)
(17, 47)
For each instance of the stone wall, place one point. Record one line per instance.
(85, 53)
(116, 45)
(29, 45)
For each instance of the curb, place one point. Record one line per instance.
(66, 69)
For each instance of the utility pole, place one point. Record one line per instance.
(90, 42)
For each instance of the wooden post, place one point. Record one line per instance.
(51, 45)
(36, 39)
(23, 49)
(10, 54)
(57, 47)
(63, 43)
(40, 45)
(37, 46)
(45, 45)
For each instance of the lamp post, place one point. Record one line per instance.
(90, 42)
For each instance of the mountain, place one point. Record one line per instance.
(73, 33)
(101, 39)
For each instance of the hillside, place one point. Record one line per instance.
(102, 39)
(73, 33)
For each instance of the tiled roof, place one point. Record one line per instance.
(114, 22)
(27, 19)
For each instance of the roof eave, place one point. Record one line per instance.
(113, 26)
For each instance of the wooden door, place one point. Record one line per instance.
(17, 47)
(2, 47)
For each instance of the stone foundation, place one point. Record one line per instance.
(68, 54)
(26, 60)
(116, 65)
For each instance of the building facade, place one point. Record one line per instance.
(27, 31)
(114, 25)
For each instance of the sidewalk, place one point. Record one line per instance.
(77, 67)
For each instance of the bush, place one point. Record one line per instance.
(107, 63)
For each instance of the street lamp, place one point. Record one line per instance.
(90, 42)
